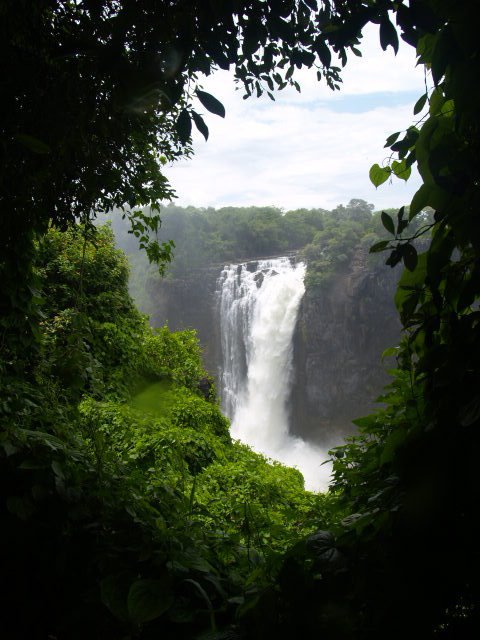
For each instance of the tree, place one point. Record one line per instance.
(359, 210)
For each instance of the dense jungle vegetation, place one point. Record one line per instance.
(122, 484)
(126, 510)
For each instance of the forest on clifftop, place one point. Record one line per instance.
(202, 237)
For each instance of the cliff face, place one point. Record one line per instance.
(340, 336)
(189, 303)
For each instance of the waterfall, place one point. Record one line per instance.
(258, 305)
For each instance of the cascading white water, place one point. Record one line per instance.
(258, 303)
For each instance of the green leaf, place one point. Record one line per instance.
(323, 52)
(442, 54)
(392, 138)
(470, 413)
(183, 126)
(378, 175)
(200, 124)
(419, 201)
(10, 449)
(113, 593)
(390, 352)
(57, 469)
(201, 592)
(436, 101)
(425, 46)
(467, 296)
(448, 108)
(392, 443)
(20, 506)
(388, 223)
(149, 599)
(394, 258)
(33, 144)
(388, 35)
(365, 421)
(420, 103)
(379, 246)
(401, 170)
(410, 257)
(409, 288)
(46, 439)
(211, 103)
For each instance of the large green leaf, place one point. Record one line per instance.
(401, 170)
(392, 138)
(149, 599)
(378, 175)
(420, 103)
(379, 246)
(419, 201)
(388, 223)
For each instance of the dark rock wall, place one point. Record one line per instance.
(340, 336)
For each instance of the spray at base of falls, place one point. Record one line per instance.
(258, 305)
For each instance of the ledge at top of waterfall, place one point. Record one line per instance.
(258, 305)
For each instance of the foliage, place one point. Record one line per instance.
(407, 479)
(173, 355)
(120, 88)
(91, 332)
(123, 495)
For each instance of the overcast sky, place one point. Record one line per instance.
(312, 149)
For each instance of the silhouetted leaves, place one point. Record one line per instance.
(388, 223)
(420, 104)
(409, 255)
(200, 124)
(388, 34)
(211, 103)
(183, 126)
(379, 246)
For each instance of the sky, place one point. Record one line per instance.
(309, 149)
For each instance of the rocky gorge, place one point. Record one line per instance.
(341, 331)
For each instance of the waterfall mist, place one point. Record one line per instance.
(258, 305)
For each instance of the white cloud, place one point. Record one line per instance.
(299, 151)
